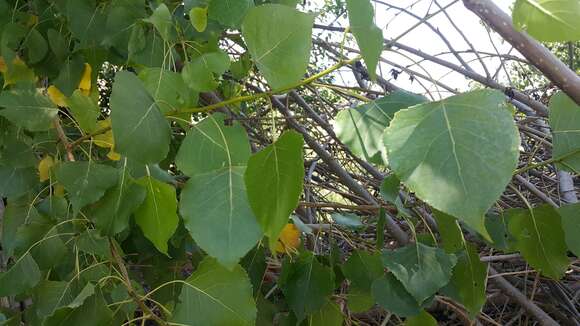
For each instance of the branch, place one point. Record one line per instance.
(554, 69)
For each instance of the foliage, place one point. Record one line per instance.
(154, 199)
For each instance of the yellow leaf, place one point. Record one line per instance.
(59, 190)
(32, 21)
(85, 83)
(198, 18)
(289, 239)
(113, 156)
(56, 96)
(16, 72)
(44, 167)
(104, 140)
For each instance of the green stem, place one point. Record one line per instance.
(546, 162)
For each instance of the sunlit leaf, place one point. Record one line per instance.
(278, 34)
(289, 239)
(368, 36)
(467, 152)
(548, 20)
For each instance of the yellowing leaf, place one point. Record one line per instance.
(289, 239)
(59, 190)
(32, 21)
(104, 140)
(85, 83)
(198, 18)
(44, 167)
(18, 71)
(113, 156)
(56, 96)
(3, 67)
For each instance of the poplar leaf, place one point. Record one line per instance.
(44, 167)
(198, 18)
(289, 239)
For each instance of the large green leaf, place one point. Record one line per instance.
(306, 284)
(85, 181)
(229, 13)
(390, 294)
(362, 269)
(274, 179)
(540, 239)
(211, 145)
(465, 145)
(571, 224)
(21, 276)
(362, 128)
(565, 123)
(423, 270)
(214, 295)
(168, 89)
(548, 20)
(279, 40)
(70, 74)
(450, 232)
(140, 130)
(216, 212)
(157, 216)
(111, 213)
(200, 73)
(28, 109)
(368, 36)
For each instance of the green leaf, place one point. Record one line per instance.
(571, 225)
(85, 21)
(291, 3)
(121, 17)
(16, 181)
(497, 227)
(157, 216)
(28, 109)
(140, 130)
(328, 315)
(145, 48)
(85, 182)
(423, 319)
(467, 152)
(391, 295)
(18, 154)
(361, 129)
(540, 239)
(51, 295)
(88, 308)
(216, 212)
(279, 40)
(70, 75)
(211, 145)
(215, 295)
(368, 36)
(57, 44)
(93, 243)
(229, 13)
(306, 284)
(421, 269)
(348, 220)
(163, 22)
(84, 110)
(274, 179)
(450, 232)
(198, 18)
(362, 269)
(20, 277)
(467, 285)
(36, 46)
(168, 89)
(200, 73)
(548, 20)
(16, 213)
(112, 212)
(565, 123)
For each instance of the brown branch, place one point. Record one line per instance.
(554, 69)
(63, 139)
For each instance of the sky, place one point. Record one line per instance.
(427, 41)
